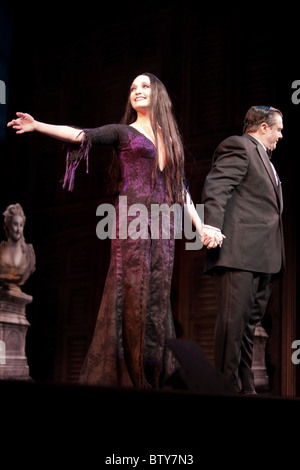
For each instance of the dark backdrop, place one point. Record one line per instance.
(75, 67)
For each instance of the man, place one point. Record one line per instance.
(242, 197)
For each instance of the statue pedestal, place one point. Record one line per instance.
(13, 329)
(259, 368)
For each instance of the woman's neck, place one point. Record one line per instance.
(143, 124)
(143, 120)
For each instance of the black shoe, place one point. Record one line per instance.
(249, 393)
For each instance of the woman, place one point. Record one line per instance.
(134, 321)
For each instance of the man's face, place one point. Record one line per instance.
(273, 134)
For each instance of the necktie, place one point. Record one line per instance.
(269, 153)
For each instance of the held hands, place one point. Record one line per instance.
(24, 123)
(211, 237)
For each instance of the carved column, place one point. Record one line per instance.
(13, 329)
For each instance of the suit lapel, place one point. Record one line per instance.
(263, 155)
(277, 187)
(265, 159)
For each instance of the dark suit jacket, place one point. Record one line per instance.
(241, 197)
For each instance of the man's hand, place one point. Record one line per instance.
(211, 237)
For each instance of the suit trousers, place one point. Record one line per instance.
(242, 299)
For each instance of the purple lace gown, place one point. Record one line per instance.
(128, 347)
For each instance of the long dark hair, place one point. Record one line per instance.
(162, 116)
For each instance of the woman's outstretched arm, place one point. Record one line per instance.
(26, 123)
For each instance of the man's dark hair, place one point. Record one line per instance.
(256, 115)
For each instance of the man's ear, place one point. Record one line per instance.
(263, 128)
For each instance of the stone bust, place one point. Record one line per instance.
(17, 258)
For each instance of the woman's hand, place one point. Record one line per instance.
(211, 238)
(24, 123)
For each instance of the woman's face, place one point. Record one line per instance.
(15, 228)
(140, 93)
